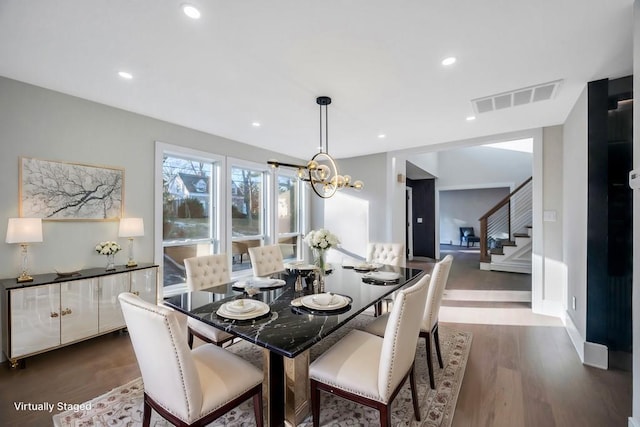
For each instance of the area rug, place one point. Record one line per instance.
(122, 406)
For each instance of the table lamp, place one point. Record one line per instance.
(24, 231)
(130, 228)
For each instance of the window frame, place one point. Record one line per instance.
(216, 218)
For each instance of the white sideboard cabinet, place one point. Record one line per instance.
(53, 311)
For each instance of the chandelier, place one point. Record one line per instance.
(321, 172)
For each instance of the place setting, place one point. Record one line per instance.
(381, 277)
(323, 303)
(260, 283)
(243, 309)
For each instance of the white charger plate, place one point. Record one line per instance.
(259, 309)
(259, 282)
(384, 276)
(337, 303)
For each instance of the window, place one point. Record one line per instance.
(190, 221)
(288, 215)
(248, 207)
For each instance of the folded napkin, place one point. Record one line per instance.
(259, 282)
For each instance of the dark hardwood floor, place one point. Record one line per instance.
(525, 375)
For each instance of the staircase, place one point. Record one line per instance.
(500, 248)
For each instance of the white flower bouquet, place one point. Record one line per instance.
(321, 239)
(108, 248)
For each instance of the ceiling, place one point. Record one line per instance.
(267, 61)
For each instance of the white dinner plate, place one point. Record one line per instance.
(384, 276)
(240, 306)
(259, 282)
(259, 309)
(367, 266)
(336, 303)
(301, 267)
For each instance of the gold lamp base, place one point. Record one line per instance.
(24, 278)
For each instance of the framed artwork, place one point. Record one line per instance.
(69, 191)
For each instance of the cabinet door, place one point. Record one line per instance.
(144, 283)
(78, 310)
(35, 319)
(110, 314)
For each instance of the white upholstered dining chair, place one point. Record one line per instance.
(390, 254)
(206, 272)
(266, 260)
(369, 369)
(429, 322)
(186, 387)
(386, 253)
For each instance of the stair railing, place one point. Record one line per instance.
(514, 212)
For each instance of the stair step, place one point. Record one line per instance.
(496, 251)
(508, 243)
(521, 235)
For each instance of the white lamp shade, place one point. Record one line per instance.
(24, 230)
(131, 227)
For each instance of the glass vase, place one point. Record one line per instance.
(111, 262)
(320, 262)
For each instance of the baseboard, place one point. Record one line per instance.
(634, 422)
(590, 354)
(596, 355)
(575, 337)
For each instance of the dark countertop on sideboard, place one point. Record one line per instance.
(49, 278)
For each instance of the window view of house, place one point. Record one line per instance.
(186, 215)
(247, 214)
(288, 215)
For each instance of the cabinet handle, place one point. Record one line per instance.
(54, 314)
(66, 311)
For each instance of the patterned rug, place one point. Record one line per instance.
(122, 406)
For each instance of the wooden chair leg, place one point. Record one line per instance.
(414, 394)
(190, 339)
(427, 341)
(146, 414)
(315, 404)
(257, 409)
(385, 415)
(436, 338)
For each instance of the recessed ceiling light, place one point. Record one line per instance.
(470, 118)
(382, 135)
(449, 61)
(191, 11)
(125, 75)
(255, 124)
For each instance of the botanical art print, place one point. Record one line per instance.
(67, 191)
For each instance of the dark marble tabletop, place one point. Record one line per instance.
(289, 330)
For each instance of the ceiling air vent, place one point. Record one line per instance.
(526, 95)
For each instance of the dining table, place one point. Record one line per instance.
(293, 320)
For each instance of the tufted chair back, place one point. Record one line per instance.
(207, 271)
(386, 253)
(439, 277)
(168, 370)
(401, 336)
(266, 260)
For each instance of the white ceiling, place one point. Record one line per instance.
(267, 61)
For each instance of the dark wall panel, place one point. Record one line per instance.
(424, 234)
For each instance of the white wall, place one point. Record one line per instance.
(554, 271)
(40, 123)
(369, 204)
(574, 225)
(462, 208)
(482, 167)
